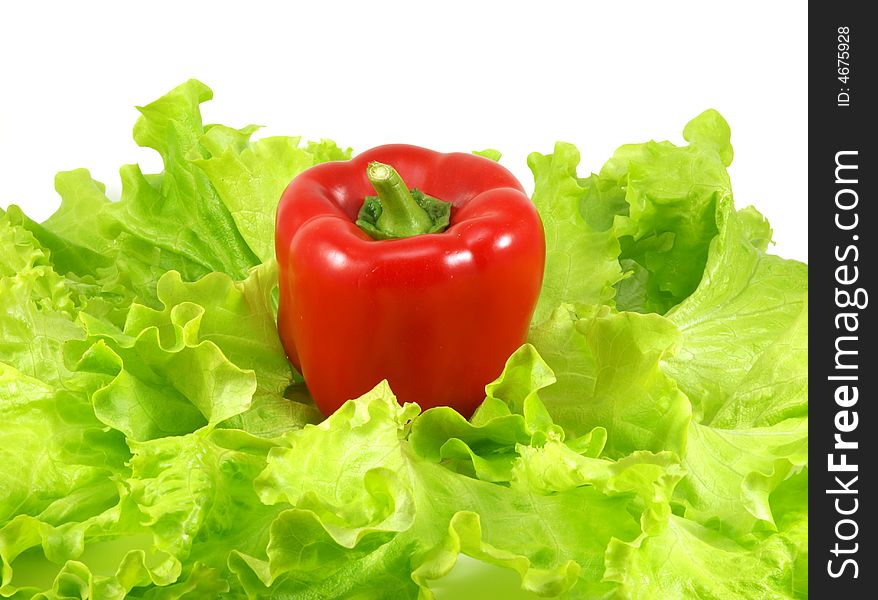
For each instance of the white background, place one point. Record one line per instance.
(449, 75)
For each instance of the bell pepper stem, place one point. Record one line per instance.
(400, 214)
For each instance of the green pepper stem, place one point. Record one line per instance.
(400, 214)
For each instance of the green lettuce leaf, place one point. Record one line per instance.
(210, 210)
(734, 471)
(690, 561)
(660, 200)
(74, 233)
(408, 516)
(51, 445)
(486, 447)
(790, 509)
(178, 212)
(746, 303)
(196, 495)
(250, 177)
(211, 355)
(61, 487)
(581, 261)
(776, 386)
(608, 370)
(186, 504)
(159, 377)
(374, 494)
(37, 309)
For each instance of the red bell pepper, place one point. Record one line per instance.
(436, 314)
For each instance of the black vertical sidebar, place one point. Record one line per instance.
(842, 253)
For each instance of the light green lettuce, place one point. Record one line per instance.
(377, 511)
(210, 355)
(734, 346)
(690, 561)
(790, 510)
(581, 260)
(62, 468)
(609, 375)
(659, 200)
(250, 177)
(214, 200)
(735, 470)
(745, 305)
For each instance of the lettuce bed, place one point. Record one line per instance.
(650, 441)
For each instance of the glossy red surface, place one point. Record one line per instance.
(437, 315)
